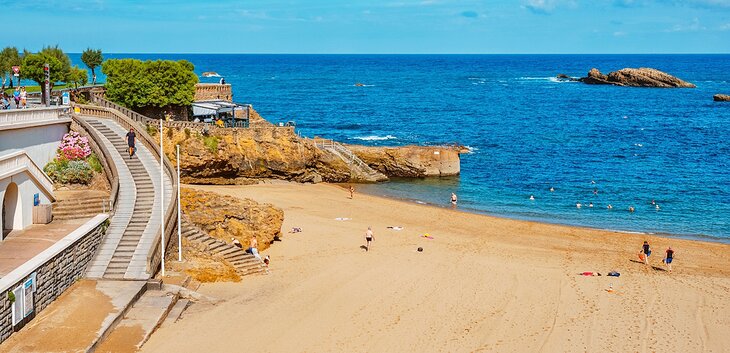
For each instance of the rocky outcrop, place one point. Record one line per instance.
(224, 217)
(721, 98)
(564, 77)
(641, 77)
(410, 161)
(226, 156)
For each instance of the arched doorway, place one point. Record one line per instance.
(12, 216)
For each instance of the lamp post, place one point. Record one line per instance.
(162, 202)
(179, 211)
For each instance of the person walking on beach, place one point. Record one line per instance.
(130, 141)
(352, 191)
(668, 258)
(454, 199)
(646, 251)
(369, 236)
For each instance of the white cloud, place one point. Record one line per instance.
(693, 26)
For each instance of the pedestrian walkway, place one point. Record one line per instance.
(136, 221)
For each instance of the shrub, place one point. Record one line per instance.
(169, 133)
(187, 133)
(64, 171)
(212, 143)
(94, 163)
(151, 130)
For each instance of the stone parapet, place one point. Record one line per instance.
(213, 91)
(54, 270)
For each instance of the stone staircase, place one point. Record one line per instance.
(245, 264)
(80, 205)
(123, 253)
(359, 170)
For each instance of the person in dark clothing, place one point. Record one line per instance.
(646, 251)
(668, 258)
(130, 141)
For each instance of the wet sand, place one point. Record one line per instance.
(481, 284)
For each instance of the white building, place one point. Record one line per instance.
(29, 139)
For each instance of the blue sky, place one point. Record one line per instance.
(374, 26)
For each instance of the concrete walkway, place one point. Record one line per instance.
(78, 319)
(22, 245)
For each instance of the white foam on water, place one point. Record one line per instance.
(374, 138)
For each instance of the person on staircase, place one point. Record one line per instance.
(253, 249)
(130, 141)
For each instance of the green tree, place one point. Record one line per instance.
(92, 58)
(58, 62)
(78, 77)
(137, 84)
(9, 57)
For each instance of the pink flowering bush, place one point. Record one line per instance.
(74, 163)
(74, 146)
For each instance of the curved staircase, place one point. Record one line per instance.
(244, 262)
(124, 250)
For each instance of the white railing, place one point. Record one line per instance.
(32, 115)
(345, 154)
(17, 162)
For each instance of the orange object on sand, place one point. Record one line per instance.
(641, 255)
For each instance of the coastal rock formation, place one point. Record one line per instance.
(721, 98)
(641, 77)
(226, 156)
(224, 217)
(410, 161)
(564, 77)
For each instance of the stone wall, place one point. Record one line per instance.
(213, 91)
(55, 269)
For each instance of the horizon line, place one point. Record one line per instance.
(281, 53)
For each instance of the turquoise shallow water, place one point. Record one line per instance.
(528, 132)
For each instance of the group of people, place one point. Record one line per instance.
(20, 98)
(645, 252)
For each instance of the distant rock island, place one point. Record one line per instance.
(721, 98)
(641, 77)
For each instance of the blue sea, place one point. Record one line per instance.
(527, 131)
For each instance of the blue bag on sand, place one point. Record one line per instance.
(614, 274)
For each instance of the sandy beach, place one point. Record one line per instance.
(481, 284)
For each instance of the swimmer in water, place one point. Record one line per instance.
(595, 191)
(657, 206)
(590, 205)
(631, 209)
(609, 206)
(532, 197)
(653, 202)
(593, 181)
(454, 199)
(577, 205)
(552, 189)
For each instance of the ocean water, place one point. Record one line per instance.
(527, 131)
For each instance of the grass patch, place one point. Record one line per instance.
(212, 143)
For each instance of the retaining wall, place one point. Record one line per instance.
(54, 270)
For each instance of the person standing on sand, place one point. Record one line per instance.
(668, 258)
(130, 141)
(352, 191)
(369, 236)
(646, 251)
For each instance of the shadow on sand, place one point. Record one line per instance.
(655, 268)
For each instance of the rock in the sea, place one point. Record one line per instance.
(721, 98)
(641, 77)
(564, 77)
(224, 216)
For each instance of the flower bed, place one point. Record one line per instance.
(74, 162)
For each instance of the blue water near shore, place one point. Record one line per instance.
(528, 132)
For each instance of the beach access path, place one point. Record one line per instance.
(482, 284)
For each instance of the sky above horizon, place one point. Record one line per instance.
(372, 26)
